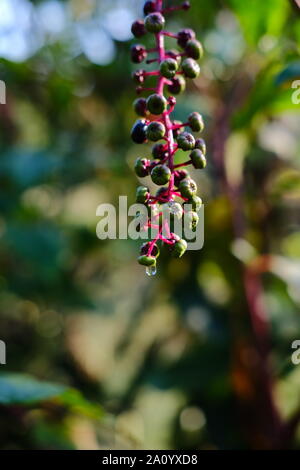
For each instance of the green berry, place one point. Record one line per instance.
(192, 219)
(147, 260)
(161, 174)
(188, 188)
(186, 141)
(177, 86)
(200, 144)
(190, 68)
(156, 104)
(179, 248)
(194, 49)
(195, 202)
(141, 167)
(154, 22)
(168, 68)
(159, 151)
(196, 122)
(179, 175)
(198, 159)
(142, 194)
(140, 107)
(155, 131)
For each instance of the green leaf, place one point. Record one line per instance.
(259, 18)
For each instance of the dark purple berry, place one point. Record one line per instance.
(138, 28)
(179, 175)
(138, 131)
(186, 5)
(149, 7)
(140, 107)
(177, 86)
(145, 248)
(160, 151)
(138, 53)
(184, 36)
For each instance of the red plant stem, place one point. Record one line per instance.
(183, 164)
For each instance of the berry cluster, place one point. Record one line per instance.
(156, 125)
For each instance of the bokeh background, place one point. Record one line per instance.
(98, 354)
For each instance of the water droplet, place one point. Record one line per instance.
(151, 270)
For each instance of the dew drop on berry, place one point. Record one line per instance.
(151, 270)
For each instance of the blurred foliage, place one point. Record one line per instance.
(172, 360)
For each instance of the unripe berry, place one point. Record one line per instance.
(138, 53)
(168, 68)
(140, 107)
(200, 144)
(142, 194)
(161, 174)
(179, 248)
(149, 7)
(198, 159)
(192, 219)
(153, 164)
(147, 260)
(184, 36)
(177, 86)
(138, 28)
(196, 122)
(155, 131)
(156, 104)
(179, 175)
(154, 22)
(141, 167)
(160, 151)
(186, 141)
(188, 188)
(154, 252)
(195, 202)
(190, 68)
(138, 131)
(194, 49)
